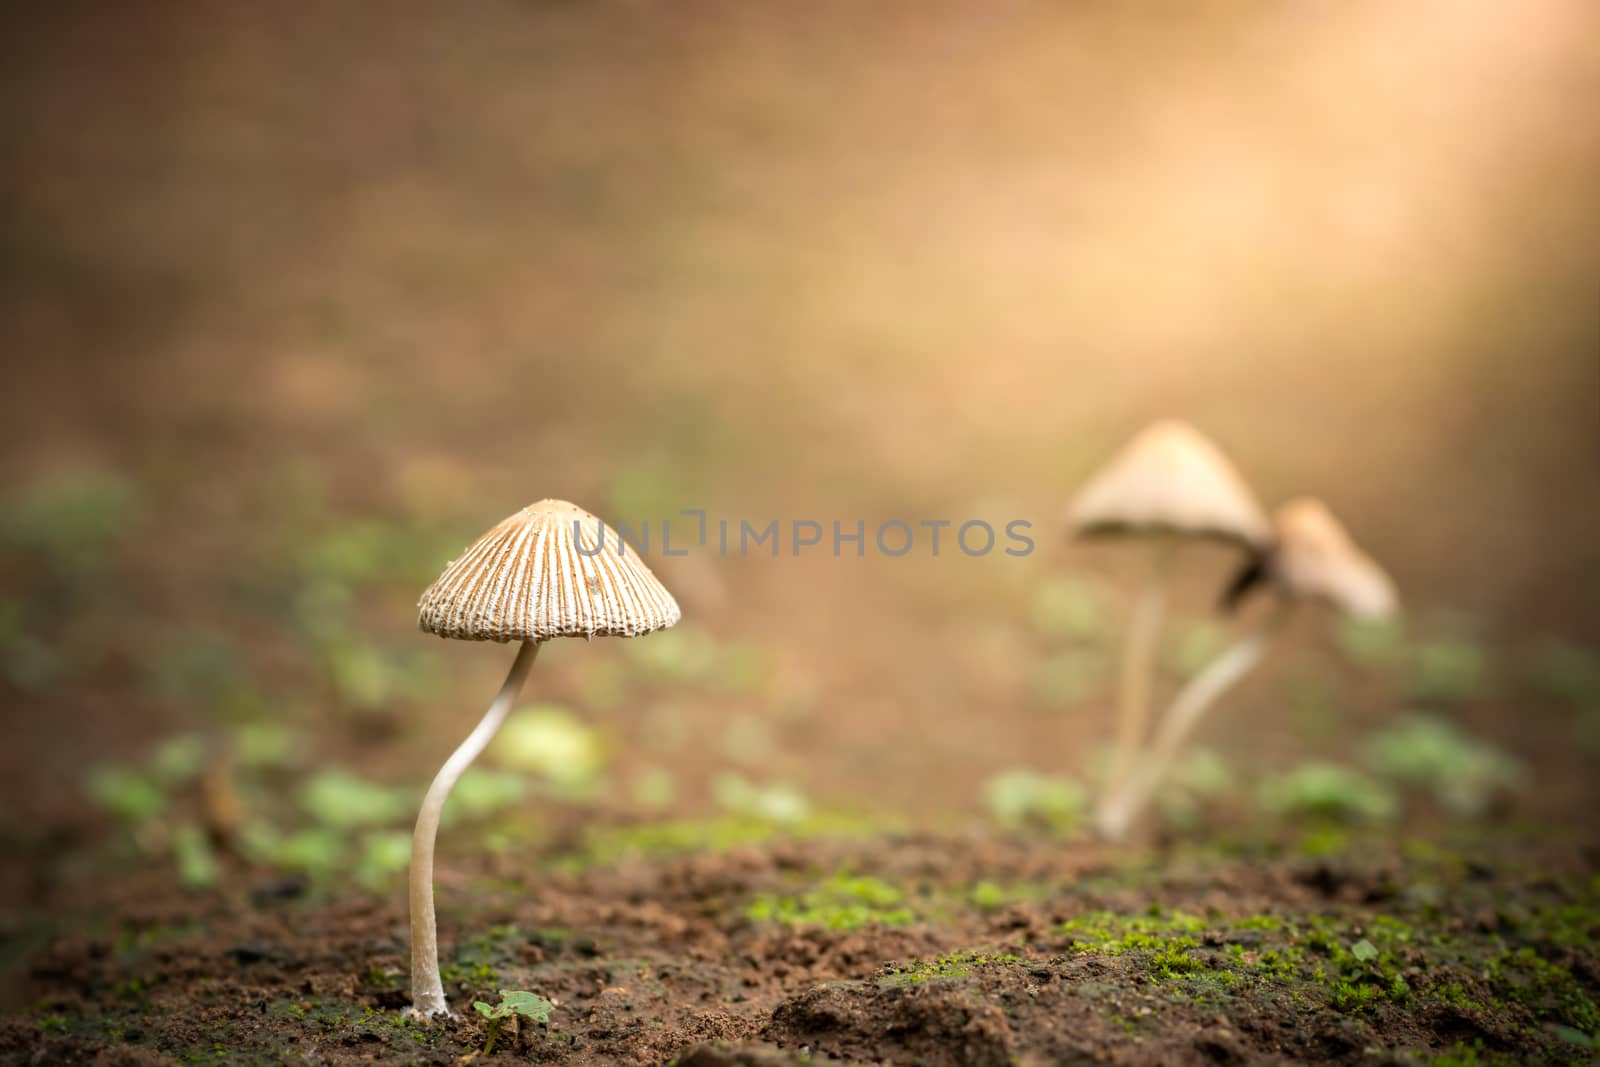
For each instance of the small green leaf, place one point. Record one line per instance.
(338, 798)
(178, 759)
(384, 853)
(197, 864)
(528, 1005)
(1573, 1036)
(1364, 950)
(127, 794)
(549, 741)
(486, 1010)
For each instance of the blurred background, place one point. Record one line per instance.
(300, 300)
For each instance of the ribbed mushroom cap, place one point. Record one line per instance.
(1315, 557)
(526, 580)
(1170, 479)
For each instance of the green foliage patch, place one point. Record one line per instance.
(842, 902)
(514, 1004)
(952, 965)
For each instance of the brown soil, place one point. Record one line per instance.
(656, 961)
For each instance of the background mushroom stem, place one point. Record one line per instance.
(1128, 799)
(1138, 665)
(427, 990)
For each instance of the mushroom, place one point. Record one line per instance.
(1313, 558)
(547, 571)
(1169, 482)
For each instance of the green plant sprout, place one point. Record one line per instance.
(1022, 798)
(197, 864)
(775, 803)
(1328, 791)
(1429, 753)
(1200, 776)
(1371, 644)
(1068, 609)
(127, 794)
(515, 1004)
(1568, 672)
(367, 678)
(265, 745)
(72, 520)
(339, 799)
(548, 741)
(684, 655)
(383, 855)
(1449, 671)
(482, 792)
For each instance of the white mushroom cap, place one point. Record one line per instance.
(1315, 557)
(1170, 479)
(527, 580)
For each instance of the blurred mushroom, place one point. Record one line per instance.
(221, 809)
(1169, 482)
(1313, 558)
(548, 571)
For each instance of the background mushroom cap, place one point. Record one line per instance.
(1170, 478)
(1316, 557)
(526, 580)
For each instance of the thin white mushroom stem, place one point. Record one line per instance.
(1127, 801)
(1138, 665)
(427, 990)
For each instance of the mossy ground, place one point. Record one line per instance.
(883, 948)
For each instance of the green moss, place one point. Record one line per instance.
(1547, 989)
(1353, 995)
(133, 941)
(1110, 934)
(1472, 1055)
(607, 844)
(954, 965)
(1455, 994)
(843, 902)
(479, 961)
(1574, 926)
(1343, 965)
(989, 896)
(1174, 958)
(346, 1017)
(995, 896)
(1322, 840)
